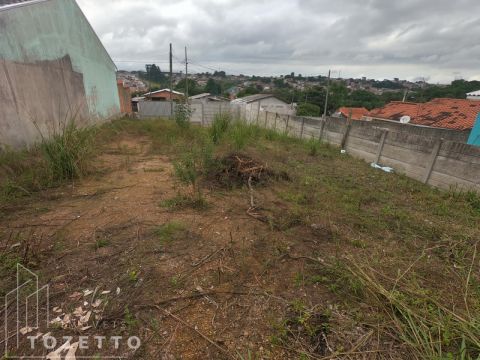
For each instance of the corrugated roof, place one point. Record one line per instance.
(163, 90)
(455, 114)
(199, 96)
(252, 98)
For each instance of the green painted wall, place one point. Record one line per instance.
(52, 29)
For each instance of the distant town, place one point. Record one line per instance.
(295, 88)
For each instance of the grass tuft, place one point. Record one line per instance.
(170, 231)
(67, 153)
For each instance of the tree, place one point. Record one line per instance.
(248, 91)
(154, 74)
(213, 87)
(280, 83)
(307, 109)
(193, 88)
(221, 74)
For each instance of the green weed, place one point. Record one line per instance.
(130, 321)
(101, 243)
(313, 146)
(170, 231)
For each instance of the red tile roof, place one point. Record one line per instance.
(456, 114)
(357, 113)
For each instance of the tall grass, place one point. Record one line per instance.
(67, 153)
(219, 127)
(241, 134)
(429, 328)
(63, 156)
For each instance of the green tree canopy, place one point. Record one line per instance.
(193, 88)
(307, 109)
(154, 74)
(213, 87)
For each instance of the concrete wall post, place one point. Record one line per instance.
(432, 160)
(380, 146)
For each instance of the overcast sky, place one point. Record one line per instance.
(410, 39)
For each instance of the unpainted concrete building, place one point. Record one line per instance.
(53, 69)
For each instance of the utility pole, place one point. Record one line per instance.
(186, 75)
(326, 97)
(171, 80)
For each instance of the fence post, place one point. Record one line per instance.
(322, 127)
(432, 160)
(347, 132)
(380, 146)
(303, 128)
(203, 115)
(286, 127)
(258, 113)
(275, 124)
(266, 119)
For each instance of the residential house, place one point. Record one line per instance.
(357, 113)
(453, 114)
(53, 68)
(266, 102)
(164, 95)
(474, 95)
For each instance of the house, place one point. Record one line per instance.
(453, 114)
(207, 98)
(474, 95)
(357, 113)
(164, 95)
(53, 68)
(266, 102)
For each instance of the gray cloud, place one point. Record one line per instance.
(436, 39)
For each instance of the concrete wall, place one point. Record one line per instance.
(432, 160)
(55, 93)
(202, 113)
(149, 109)
(447, 134)
(39, 35)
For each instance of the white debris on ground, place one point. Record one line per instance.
(81, 319)
(84, 316)
(384, 168)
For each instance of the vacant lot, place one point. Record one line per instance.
(240, 243)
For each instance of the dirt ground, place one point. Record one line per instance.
(209, 283)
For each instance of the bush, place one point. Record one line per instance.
(307, 109)
(313, 146)
(193, 164)
(182, 115)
